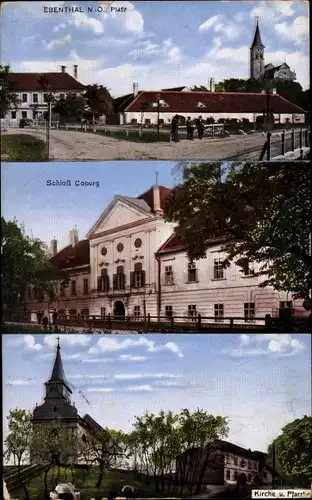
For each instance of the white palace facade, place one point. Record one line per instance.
(133, 264)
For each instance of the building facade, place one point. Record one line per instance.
(132, 264)
(224, 463)
(33, 99)
(58, 409)
(261, 71)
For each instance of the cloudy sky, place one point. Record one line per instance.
(261, 382)
(49, 212)
(158, 44)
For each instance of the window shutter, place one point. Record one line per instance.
(123, 281)
(99, 284)
(143, 278)
(132, 279)
(115, 281)
(106, 283)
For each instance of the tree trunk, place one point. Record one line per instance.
(58, 473)
(19, 475)
(46, 493)
(100, 478)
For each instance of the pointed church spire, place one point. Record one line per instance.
(257, 42)
(58, 374)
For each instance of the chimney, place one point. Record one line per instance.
(156, 200)
(212, 85)
(73, 237)
(135, 89)
(63, 68)
(76, 71)
(54, 246)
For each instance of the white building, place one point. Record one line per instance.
(132, 264)
(33, 98)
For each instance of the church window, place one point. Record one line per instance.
(138, 276)
(119, 279)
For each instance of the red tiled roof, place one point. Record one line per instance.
(215, 102)
(72, 256)
(148, 196)
(30, 82)
(175, 244)
(225, 446)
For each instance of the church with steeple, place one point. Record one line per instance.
(58, 407)
(260, 71)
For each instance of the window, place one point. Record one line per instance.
(137, 312)
(103, 312)
(45, 97)
(249, 464)
(248, 270)
(35, 98)
(104, 251)
(249, 476)
(191, 272)
(243, 463)
(61, 312)
(13, 115)
(192, 311)
(24, 114)
(235, 460)
(120, 247)
(24, 97)
(138, 276)
(119, 279)
(99, 284)
(219, 312)
(72, 313)
(138, 243)
(228, 474)
(168, 275)
(218, 269)
(105, 280)
(84, 313)
(54, 409)
(286, 304)
(249, 311)
(235, 475)
(85, 286)
(147, 121)
(168, 311)
(73, 287)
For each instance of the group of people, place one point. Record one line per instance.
(43, 319)
(190, 125)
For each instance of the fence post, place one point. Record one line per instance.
(172, 321)
(293, 139)
(231, 323)
(283, 143)
(269, 146)
(300, 138)
(109, 321)
(199, 322)
(66, 126)
(148, 319)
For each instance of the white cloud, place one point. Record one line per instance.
(80, 376)
(129, 357)
(274, 11)
(140, 376)
(99, 389)
(30, 343)
(296, 31)
(106, 344)
(97, 360)
(209, 23)
(139, 388)
(225, 27)
(167, 50)
(277, 344)
(17, 382)
(83, 21)
(52, 44)
(131, 20)
(67, 340)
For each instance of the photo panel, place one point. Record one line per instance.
(158, 416)
(147, 246)
(191, 80)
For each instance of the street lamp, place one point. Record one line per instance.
(158, 104)
(47, 88)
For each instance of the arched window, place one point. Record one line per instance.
(54, 409)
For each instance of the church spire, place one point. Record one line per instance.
(58, 374)
(257, 42)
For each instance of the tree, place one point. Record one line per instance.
(261, 210)
(99, 100)
(8, 96)
(18, 441)
(293, 449)
(25, 263)
(72, 107)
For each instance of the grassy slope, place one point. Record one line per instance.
(20, 147)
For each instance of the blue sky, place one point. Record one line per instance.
(261, 382)
(158, 44)
(49, 212)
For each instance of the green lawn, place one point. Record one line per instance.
(112, 484)
(20, 147)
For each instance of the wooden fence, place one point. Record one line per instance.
(286, 141)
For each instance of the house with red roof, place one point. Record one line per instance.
(132, 263)
(33, 98)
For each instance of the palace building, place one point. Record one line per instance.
(132, 264)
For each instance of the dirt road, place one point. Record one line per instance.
(73, 145)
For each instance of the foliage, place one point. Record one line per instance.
(72, 107)
(293, 449)
(99, 99)
(262, 211)
(8, 96)
(24, 263)
(22, 147)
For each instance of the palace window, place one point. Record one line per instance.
(24, 97)
(168, 311)
(103, 312)
(85, 286)
(235, 460)
(191, 272)
(119, 279)
(24, 114)
(84, 313)
(249, 311)
(137, 311)
(286, 304)
(105, 280)
(248, 270)
(219, 312)
(192, 313)
(218, 269)
(35, 98)
(168, 275)
(235, 475)
(13, 115)
(228, 474)
(73, 287)
(137, 276)
(249, 464)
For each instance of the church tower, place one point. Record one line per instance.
(57, 405)
(256, 56)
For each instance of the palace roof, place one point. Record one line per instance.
(59, 81)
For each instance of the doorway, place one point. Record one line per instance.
(119, 309)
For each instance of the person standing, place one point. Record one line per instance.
(189, 129)
(175, 128)
(200, 127)
(54, 317)
(45, 321)
(39, 317)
